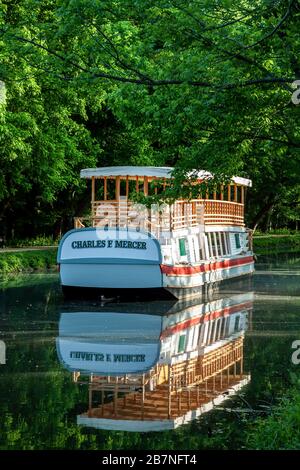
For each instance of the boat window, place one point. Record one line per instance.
(219, 251)
(201, 334)
(181, 344)
(212, 244)
(218, 328)
(237, 323)
(226, 332)
(182, 247)
(225, 242)
(237, 240)
(202, 240)
(222, 329)
(195, 336)
(210, 248)
(196, 249)
(212, 331)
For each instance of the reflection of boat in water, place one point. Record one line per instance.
(152, 372)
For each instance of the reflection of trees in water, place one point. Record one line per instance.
(39, 403)
(277, 259)
(38, 410)
(30, 299)
(36, 397)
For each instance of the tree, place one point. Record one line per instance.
(193, 84)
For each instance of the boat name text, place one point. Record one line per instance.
(99, 357)
(136, 245)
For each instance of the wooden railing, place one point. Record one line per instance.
(223, 212)
(185, 386)
(186, 374)
(181, 214)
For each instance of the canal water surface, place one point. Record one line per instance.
(109, 374)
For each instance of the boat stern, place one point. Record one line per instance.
(109, 258)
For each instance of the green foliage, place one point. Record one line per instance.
(269, 244)
(278, 231)
(41, 240)
(24, 261)
(281, 430)
(194, 84)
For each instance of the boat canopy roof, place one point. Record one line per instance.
(150, 172)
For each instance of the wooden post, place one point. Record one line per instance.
(117, 196)
(242, 195)
(127, 187)
(235, 193)
(229, 192)
(117, 192)
(137, 184)
(105, 188)
(93, 189)
(222, 192)
(146, 185)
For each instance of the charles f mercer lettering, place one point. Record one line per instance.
(135, 245)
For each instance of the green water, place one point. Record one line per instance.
(39, 401)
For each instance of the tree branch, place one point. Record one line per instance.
(151, 82)
(279, 24)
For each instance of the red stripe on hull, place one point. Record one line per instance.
(203, 318)
(189, 270)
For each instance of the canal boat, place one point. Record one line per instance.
(155, 372)
(184, 248)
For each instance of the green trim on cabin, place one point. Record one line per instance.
(181, 344)
(237, 241)
(182, 246)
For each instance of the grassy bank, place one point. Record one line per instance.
(27, 261)
(275, 244)
(280, 430)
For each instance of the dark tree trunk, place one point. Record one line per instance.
(263, 212)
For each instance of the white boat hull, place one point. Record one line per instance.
(124, 259)
(107, 276)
